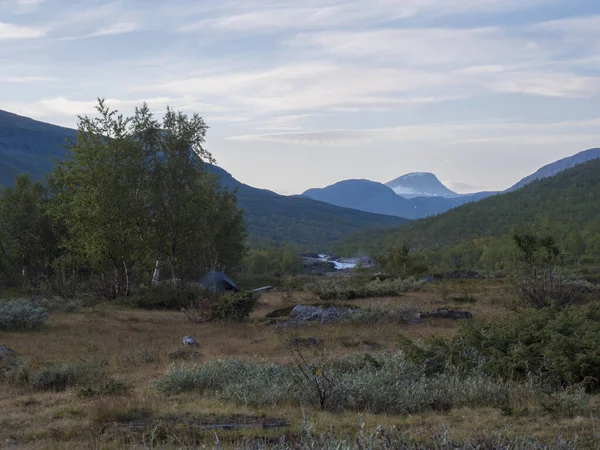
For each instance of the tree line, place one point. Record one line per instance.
(131, 203)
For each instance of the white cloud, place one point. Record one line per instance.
(10, 31)
(118, 28)
(443, 133)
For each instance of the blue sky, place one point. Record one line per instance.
(302, 94)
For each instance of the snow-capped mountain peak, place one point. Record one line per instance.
(420, 184)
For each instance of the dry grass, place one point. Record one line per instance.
(136, 346)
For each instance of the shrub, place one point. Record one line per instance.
(57, 376)
(338, 288)
(21, 314)
(165, 297)
(235, 306)
(561, 346)
(390, 384)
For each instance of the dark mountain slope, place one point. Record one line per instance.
(27, 145)
(307, 222)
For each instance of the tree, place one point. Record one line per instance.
(134, 190)
(539, 279)
(27, 241)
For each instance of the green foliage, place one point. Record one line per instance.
(27, 237)
(21, 315)
(561, 346)
(401, 262)
(235, 307)
(134, 194)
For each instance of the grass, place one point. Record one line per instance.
(137, 348)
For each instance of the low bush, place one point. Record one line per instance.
(234, 307)
(21, 315)
(338, 288)
(559, 346)
(390, 384)
(108, 387)
(57, 376)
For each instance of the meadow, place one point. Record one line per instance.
(102, 375)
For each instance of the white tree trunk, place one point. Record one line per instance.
(156, 275)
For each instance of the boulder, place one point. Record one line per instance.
(189, 341)
(7, 353)
(306, 313)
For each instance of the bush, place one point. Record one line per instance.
(338, 288)
(57, 376)
(560, 346)
(235, 306)
(21, 314)
(390, 384)
(165, 297)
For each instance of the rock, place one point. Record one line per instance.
(463, 275)
(444, 313)
(6, 353)
(189, 341)
(306, 313)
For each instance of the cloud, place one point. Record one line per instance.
(25, 79)
(260, 16)
(10, 31)
(442, 133)
(110, 30)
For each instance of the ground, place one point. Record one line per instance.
(137, 347)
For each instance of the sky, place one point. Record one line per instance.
(302, 94)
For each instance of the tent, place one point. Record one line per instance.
(218, 282)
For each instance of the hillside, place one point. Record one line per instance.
(27, 145)
(312, 224)
(568, 201)
(374, 197)
(556, 167)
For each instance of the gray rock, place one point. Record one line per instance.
(189, 341)
(306, 313)
(7, 353)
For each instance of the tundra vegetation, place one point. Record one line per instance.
(97, 293)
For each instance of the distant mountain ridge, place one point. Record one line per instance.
(29, 146)
(420, 184)
(421, 194)
(554, 168)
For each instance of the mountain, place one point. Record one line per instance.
(420, 184)
(374, 197)
(558, 166)
(27, 145)
(568, 202)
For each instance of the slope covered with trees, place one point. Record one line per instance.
(478, 234)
